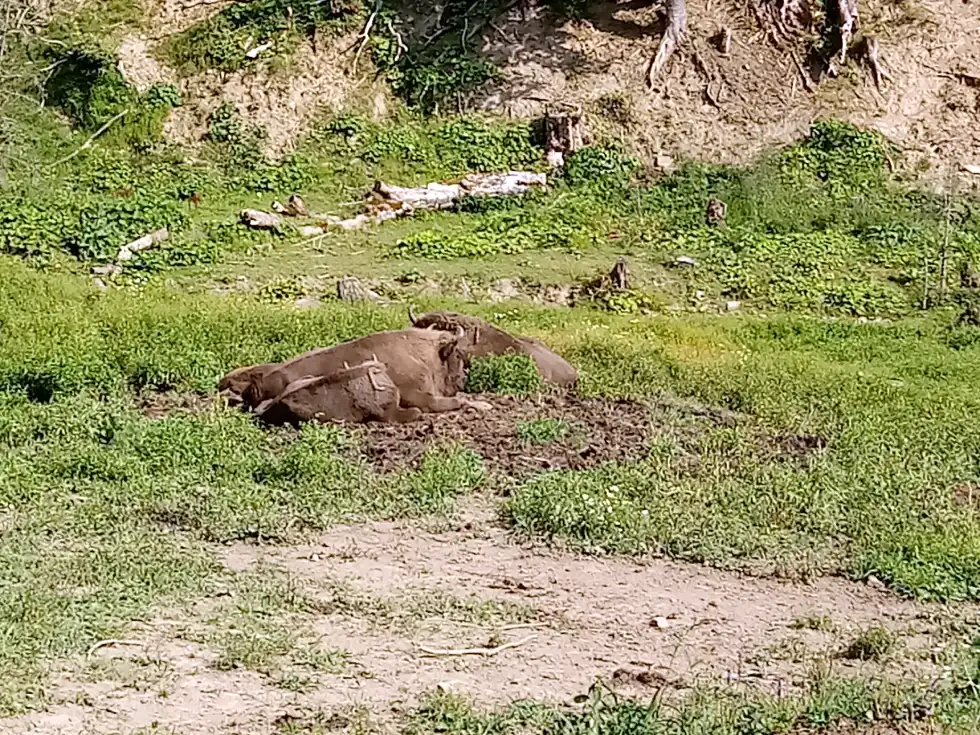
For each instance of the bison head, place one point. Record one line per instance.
(239, 385)
(481, 337)
(456, 362)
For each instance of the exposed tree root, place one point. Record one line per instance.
(673, 36)
(871, 55)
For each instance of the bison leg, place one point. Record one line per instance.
(398, 415)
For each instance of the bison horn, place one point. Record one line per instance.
(411, 315)
(346, 365)
(460, 332)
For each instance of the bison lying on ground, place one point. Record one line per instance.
(363, 392)
(235, 385)
(426, 366)
(482, 338)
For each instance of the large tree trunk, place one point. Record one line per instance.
(673, 35)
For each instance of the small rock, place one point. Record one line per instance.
(875, 583)
(664, 162)
(685, 260)
(351, 290)
(699, 295)
(110, 270)
(659, 622)
(124, 254)
(314, 557)
(503, 289)
(733, 305)
(100, 284)
(307, 302)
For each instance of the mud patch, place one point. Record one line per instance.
(586, 431)
(595, 430)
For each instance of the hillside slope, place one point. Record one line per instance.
(708, 105)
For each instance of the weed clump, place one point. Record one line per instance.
(220, 41)
(86, 85)
(542, 431)
(513, 375)
(872, 644)
(603, 168)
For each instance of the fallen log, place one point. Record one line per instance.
(259, 220)
(387, 201)
(126, 252)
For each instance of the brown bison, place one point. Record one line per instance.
(363, 392)
(483, 338)
(236, 383)
(426, 366)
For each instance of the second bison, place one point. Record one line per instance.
(483, 338)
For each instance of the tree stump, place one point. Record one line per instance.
(620, 275)
(715, 214)
(564, 133)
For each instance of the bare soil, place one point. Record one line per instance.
(707, 105)
(598, 430)
(644, 628)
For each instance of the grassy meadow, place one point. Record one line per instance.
(846, 330)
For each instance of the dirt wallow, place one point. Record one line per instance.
(594, 431)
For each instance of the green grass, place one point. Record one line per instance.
(542, 431)
(104, 511)
(826, 704)
(513, 375)
(106, 514)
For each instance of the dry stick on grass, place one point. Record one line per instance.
(113, 642)
(88, 143)
(475, 651)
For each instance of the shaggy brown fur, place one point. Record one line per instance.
(237, 382)
(427, 367)
(360, 393)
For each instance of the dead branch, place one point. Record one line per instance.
(673, 36)
(803, 75)
(126, 252)
(365, 34)
(386, 201)
(88, 143)
(475, 651)
(871, 54)
(113, 642)
(401, 47)
(848, 11)
(259, 220)
(253, 53)
(783, 20)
